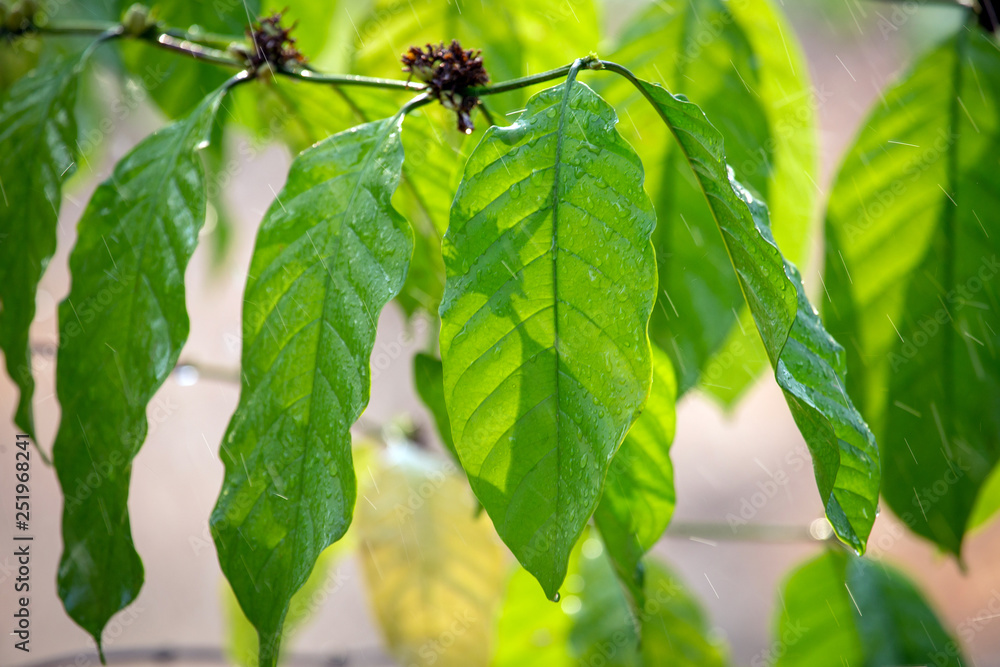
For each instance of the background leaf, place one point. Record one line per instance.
(594, 625)
(38, 139)
(434, 569)
(428, 376)
(543, 334)
(330, 253)
(121, 330)
(517, 37)
(740, 62)
(181, 82)
(923, 316)
(837, 609)
(639, 499)
(809, 365)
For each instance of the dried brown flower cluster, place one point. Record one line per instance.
(272, 43)
(450, 72)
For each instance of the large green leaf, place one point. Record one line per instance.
(38, 141)
(740, 62)
(331, 252)
(838, 610)
(639, 499)
(121, 330)
(433, 568)
(550, 281)
(809, 364)
(912, 269)
(175, 83)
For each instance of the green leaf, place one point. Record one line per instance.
(38, 134)
(923, 315)
(433, 569)
(121, 330)
(809, 364)
(593, 625)
(330, 253)
(428, 376)
(838, 610)
(177, 84)
(639, 499)
(550, 281)
(740, 62)
(676, 630)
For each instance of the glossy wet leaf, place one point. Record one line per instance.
(428, 377)
(550, 281)
(639, 499)
(121, 330)
(912, 269)
(177, 84)
(740, 62)
(38, 141)
(838, 609)
(330, 253)
(809, 364)
(434, 570)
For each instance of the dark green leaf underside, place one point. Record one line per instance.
(330, 254)
(121, 330)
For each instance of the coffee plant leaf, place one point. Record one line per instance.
(38, 141)
(913, 274)
(121, 329)
(330, 253)
(808, 363)
(550, 282)
(839, 609)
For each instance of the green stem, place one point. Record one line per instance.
(590, 62)
(351, 80)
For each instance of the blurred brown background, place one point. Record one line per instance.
(853, 49)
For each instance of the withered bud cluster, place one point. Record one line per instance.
(272, 43)
(450, 72)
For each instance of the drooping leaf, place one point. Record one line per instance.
(639, 499)
(912, 269)
(838, 609)
(428, 376)
(38, 140)
(434, 569)
(740, 62)
(809, 364)
(121, 330)
(177, 84)
(550, 281)
(331, 252)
